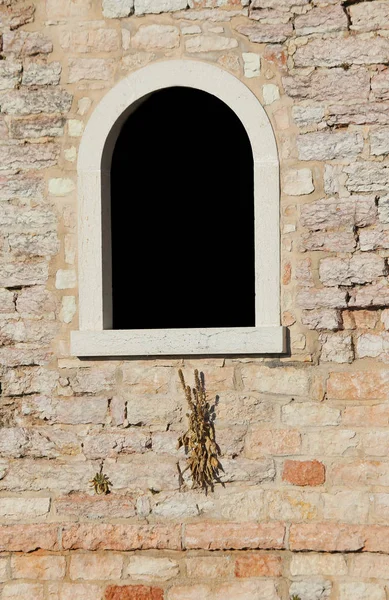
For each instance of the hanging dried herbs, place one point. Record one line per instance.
(199, 441)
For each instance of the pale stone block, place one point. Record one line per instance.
(70, 154)
(298, 182)
(329, 84)
(155, 37)
(209, 43)
(61, 187)
(317, 564)
(16, 591)
(370, 17)
(152, 569)
(309, 413)
(363, 268)
(94, 69)
(10, 74)
(41, 74)
(361, 591)
(116, 9)
(349, 50)
(367, 177)
(45, 568)
(159, 6)
(83, 105)
(68, 309)
(306, 115)
(33, 102)
(23, 508)
(270, 93)
(94, 566)
(65, 279)
(379, 141)
(329, 146)
(252, 64)
(75, 127)
(346, 507)
(311, 590)
(190, 29)
(126, 39)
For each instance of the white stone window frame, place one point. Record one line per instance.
(95, 336)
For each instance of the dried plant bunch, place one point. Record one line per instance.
(199, 441)
(100, 482)
(295, 597)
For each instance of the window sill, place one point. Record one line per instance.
(153, 342)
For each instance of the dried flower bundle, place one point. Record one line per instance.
(199, 441)
(100, 482)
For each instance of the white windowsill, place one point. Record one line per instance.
(151, 342)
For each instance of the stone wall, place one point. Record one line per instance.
(304, 437)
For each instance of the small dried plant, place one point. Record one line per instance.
(295, 597)
(100, 482)
(199, 441)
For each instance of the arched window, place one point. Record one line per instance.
(179, 218)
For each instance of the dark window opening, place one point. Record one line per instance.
(182, 202)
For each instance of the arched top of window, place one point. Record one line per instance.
(96, 336)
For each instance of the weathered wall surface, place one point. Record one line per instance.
(304, 438)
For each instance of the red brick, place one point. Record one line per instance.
(258, 565)
(234, 536)
(307, 472)
(133, 592)
(27, 538)
(121, 537)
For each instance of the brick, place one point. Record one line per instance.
(317, 564)
(309, 472)
(336, 85)
(155, 569)
(45, 568)
(309, 413)
(260, 442)
(360, 319)
(27, 538)
(360, 385)
(96, 566)
(232, 536)
(347, 50)
(133, 592)
(121, 537)
(326, 537)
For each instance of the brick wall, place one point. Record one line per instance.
(304, 437)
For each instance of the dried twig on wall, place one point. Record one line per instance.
(199, 441)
